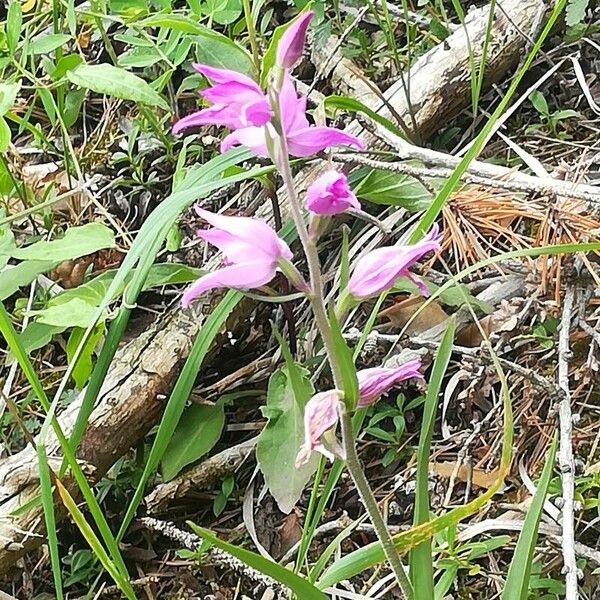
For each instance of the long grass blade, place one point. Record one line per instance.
(14, 344)
(421, 558)
(301, 587)
(50, 519)
(94, 543)
(517, 582)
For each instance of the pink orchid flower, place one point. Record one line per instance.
(252, 253)
(237, 101)
(378, 270)
(302, 138)
(330, 194)
(373, 383)
(321, 413)
(291, 44)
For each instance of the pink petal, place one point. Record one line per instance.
(215, 115)
(330, 194)
(226, 76)
(293, 108)
(291, 44)
(259, 238)
(309, 141)
(372, 383)
(251, 137)
(240, 276)
(378, 270)
(320, 414)
(374, 272)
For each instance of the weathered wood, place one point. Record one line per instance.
(145, 370)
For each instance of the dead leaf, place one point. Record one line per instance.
(478, 477)
(400, 313)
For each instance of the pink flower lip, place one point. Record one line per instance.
(378, 270)
(321, 413)
(373, 383)
(330, 194)
(302, 138)
(237, 102)
(291, 44)
(252, 251)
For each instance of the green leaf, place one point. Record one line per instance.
(564, 114)
(14, 277)
(66, 63)
(283, 435)
(517, 582)
(45, 44)
(393, 189)
(198, 430)
(114, 81)
(539, 102)
(37, 335)
(345, 360)
(421, 557)
(72, 109)
(5, 134)
(76, 313)
(223, 12)
(78, 306)
(8, 95)
(352, 105)
(575, 12)
(213, 48)
(49, 518)
(77, 241)
(7, 244)
(14, 20)
(83, 368)
(302, 588)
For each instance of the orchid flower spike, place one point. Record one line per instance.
(373, 383)
(321, 413)
(330, 194)
(302, 138)
(252, 254)
(291, 45)
(237, 101)
(378, 270)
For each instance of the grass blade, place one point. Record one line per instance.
(301, 587)
(517, 582)
(14, 344)
(50, 519)
(421, 559)
(179, 397)
(94, 543)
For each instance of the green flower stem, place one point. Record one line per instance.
(317, 299)
(252, 35)
(372, 508)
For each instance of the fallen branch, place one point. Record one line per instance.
(190, 541)
(200, 477)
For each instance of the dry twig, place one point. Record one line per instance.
(565, 453)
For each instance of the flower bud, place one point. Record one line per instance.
(330, 194)
(291, 44)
